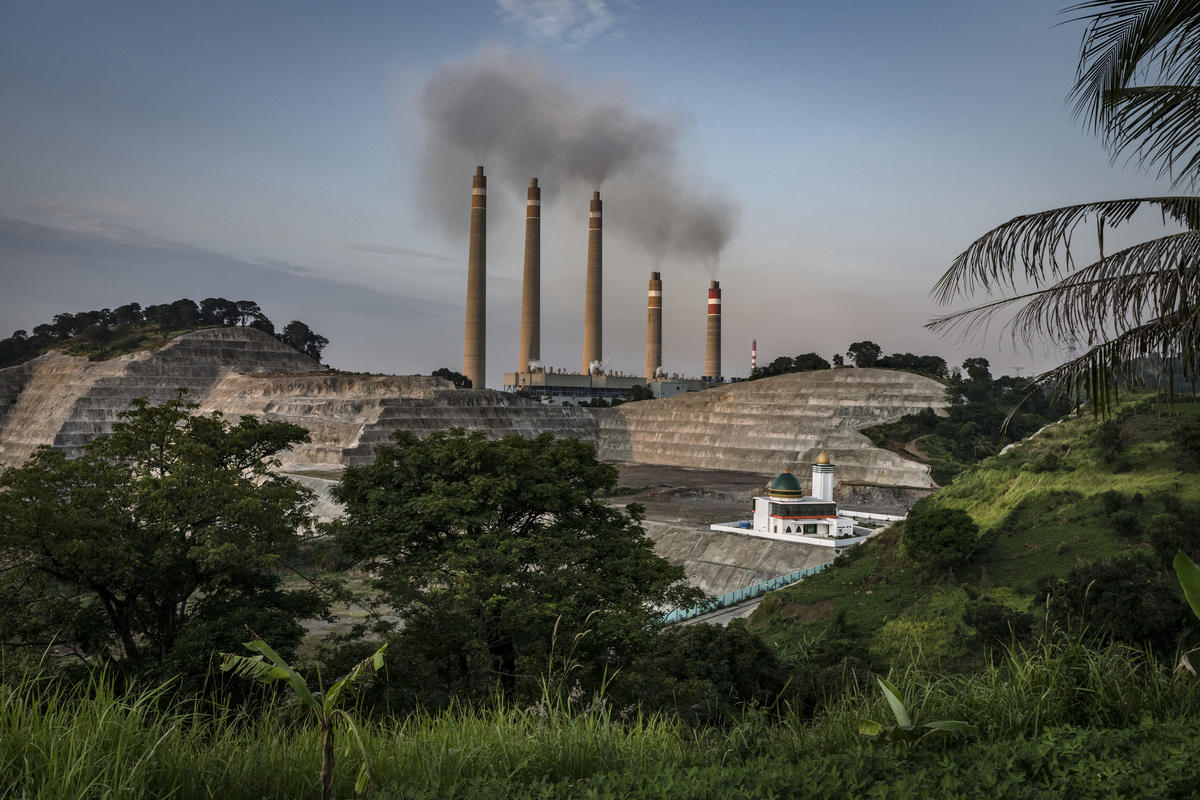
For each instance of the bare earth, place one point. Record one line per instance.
(683, 495)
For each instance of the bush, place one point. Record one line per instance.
(1112, 500)
(996, 624)
(1109, 439)
(1126, 524)
(938, 537)
(1125, 599)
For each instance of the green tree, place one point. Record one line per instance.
(937, 536)
(492, 550)
(165, 534)
(864, 353)
(1137, 86)
(459, 380)
(303, 338)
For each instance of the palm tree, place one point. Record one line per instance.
(1138, 87)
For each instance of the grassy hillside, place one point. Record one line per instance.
(1042, 510)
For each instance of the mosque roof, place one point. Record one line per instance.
(786, 485)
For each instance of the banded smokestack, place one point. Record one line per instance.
(475, 339)
(530, 346)
(594, 301)
(712, 341)
(653, 327)
(753, 354)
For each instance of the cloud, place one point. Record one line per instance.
(98, 264)
(391, 250)
(575, 22)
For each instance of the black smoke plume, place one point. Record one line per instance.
(504, 110)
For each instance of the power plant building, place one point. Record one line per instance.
(594, 381)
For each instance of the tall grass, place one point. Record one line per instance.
(87, 740)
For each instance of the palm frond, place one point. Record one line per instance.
(1037, 247)
(1125, 39)
(1104, 368)
(1157, 125)
(1112, 295)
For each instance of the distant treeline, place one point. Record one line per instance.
(110, 331)
(864, 354)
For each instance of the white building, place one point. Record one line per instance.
(787, 514)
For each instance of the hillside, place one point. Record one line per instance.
(64, 401)
(1077, 493)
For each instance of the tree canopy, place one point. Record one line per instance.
(501, 558)
(108, 332)
(459, 380)
(160, 543)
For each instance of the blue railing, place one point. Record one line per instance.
(741, 595)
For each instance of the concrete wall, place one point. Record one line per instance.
(718, 562)
(764, 425)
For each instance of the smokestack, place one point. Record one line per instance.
(753, 354)
(475, 340)
(530, 346)
(653, 327)
(712, 352)
(593, 303)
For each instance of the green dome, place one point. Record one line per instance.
(786, 485)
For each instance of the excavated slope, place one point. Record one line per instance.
(764, 425)
(64, 401)
(349, 416)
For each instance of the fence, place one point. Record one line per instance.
(741, 595)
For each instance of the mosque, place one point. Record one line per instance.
(787, 514)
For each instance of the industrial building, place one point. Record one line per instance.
(594, 380)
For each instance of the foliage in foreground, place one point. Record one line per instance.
(502, 558)
(1110, 722)
(158, 545)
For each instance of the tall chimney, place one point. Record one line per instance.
(753, 354)
(530, 346)
(475, 340)
(712, 341)
(593, 303)
(653, 327)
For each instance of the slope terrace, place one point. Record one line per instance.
(762, 426)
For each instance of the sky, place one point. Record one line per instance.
(825, 161)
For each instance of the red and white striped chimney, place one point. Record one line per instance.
(753, 354)
(712, 353)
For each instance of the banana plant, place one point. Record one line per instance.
(1189, 579)
(904, 730)
(268, 667)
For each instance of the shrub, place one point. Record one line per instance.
(1126, 524)
(939, 537)
(1112, 500)
(1124, 599)
(996, 624)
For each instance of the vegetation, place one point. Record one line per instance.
(112, 332)
(1086, 545)
(939, 537)
(501, 557)
(1107, 722)
(267, 667)
(1136, 87)
(459, 380)
(985, 414)
(864, 354)
(157, 546)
